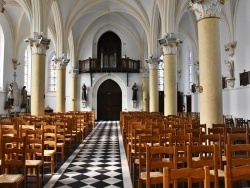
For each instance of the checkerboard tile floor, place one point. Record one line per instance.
(99, 162)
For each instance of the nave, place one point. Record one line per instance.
(100, 161)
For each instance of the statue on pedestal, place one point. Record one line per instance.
(135, 89)
(84, 92)
(10, 95)
(24, 97)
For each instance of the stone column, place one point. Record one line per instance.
(153, 84)
(60, 65)
(207, 13)
(73, 89)
(39, 44)
(145, 90)
(170, 44)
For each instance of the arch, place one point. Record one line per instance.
(109, 101)
(104, 30)
(100, 81)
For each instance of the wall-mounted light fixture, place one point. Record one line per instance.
(199, 89)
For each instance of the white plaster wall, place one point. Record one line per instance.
(236, 101)
(8, 70)
(98, 78)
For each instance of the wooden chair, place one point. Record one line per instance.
(50, 139)
(238, 164)
(210, 140)
(223, 136)
(171, 176)
(35, 156)
(13, 170)
(200, 156)
(134, 153)
(60, 144)
(155, 165)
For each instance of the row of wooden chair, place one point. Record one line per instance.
(138, 143)
(53, 141)
(194, 159)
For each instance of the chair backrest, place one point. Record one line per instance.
(238, 138)
(203, 127)
(239, 130)
(13, 158)
(173, 175)
(50, 136)
(238, 163)
(155, 162)
(35, 144)
(143, 142)
(180, 140)
(200, 156)
(238, 155)
(210, 140)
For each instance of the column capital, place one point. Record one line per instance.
(74, 73)
(39, 43)
(169, 43)
(230, 47)
(206, 8)
(61, 63)
(153, 62)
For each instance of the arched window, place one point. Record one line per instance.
(27, 68)
(52, 74)
(190, 70)
(1, 57)
(161, 75)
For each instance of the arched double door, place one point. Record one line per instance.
(109, 101)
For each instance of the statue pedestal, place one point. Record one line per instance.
(84, 104)
(134, 104)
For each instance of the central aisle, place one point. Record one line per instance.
(99, 162)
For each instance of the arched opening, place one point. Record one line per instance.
(109, 50)
(109, 101)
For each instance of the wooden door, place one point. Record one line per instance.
(109, 101)
(189, 103)
(161, 102)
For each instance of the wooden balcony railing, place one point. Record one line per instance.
(121, 65)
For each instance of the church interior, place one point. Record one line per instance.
(125, 93)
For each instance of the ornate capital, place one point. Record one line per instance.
(61, 63)
(39, 43)
(230, 48)
(153, 62)
(206, 8)
(169, 43)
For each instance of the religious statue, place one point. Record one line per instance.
(135, 89)
(84, 92)
(24, 97)
(230, 69)
(197, 78)
(10, 95)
